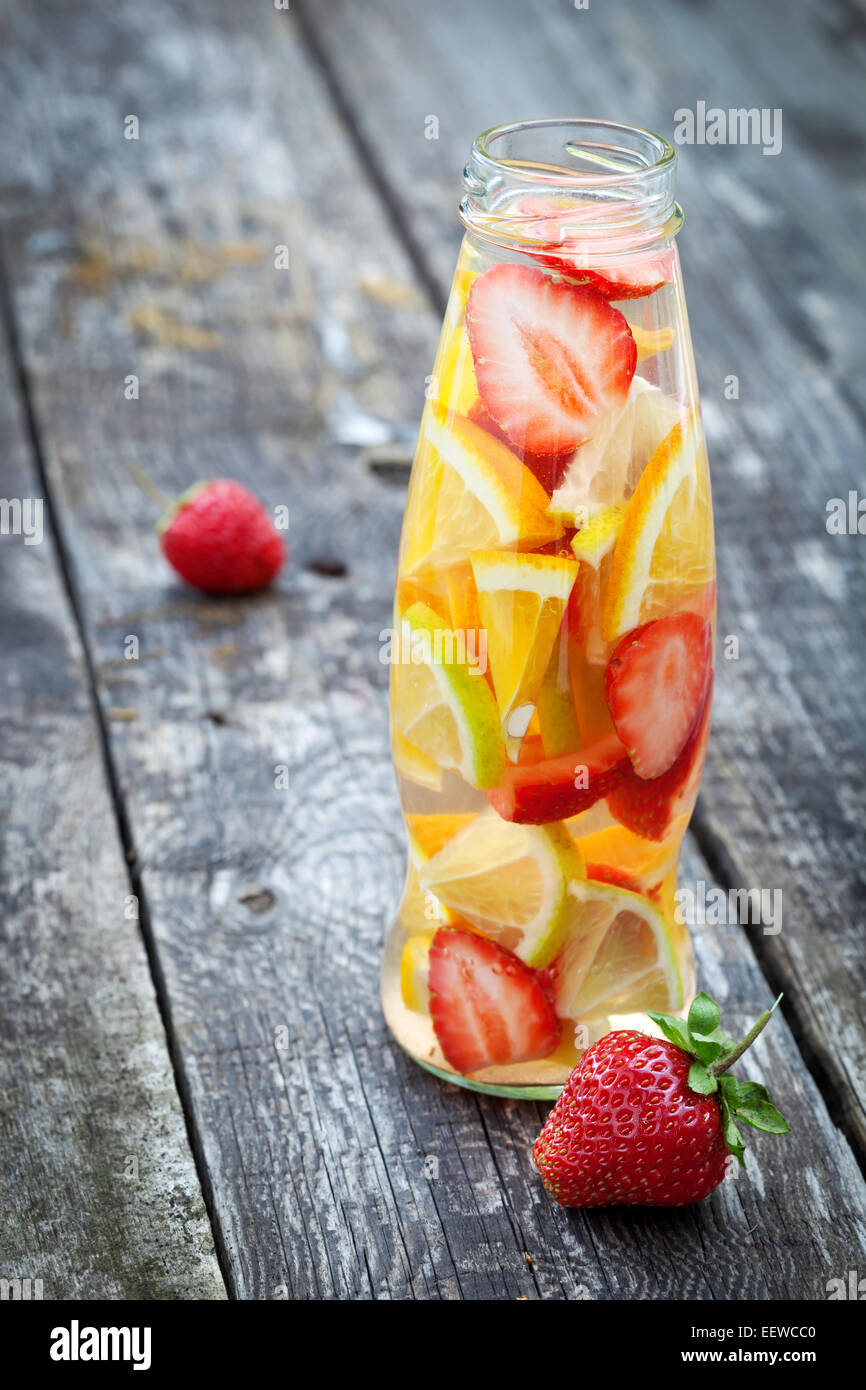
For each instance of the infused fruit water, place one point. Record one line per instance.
(552, 650)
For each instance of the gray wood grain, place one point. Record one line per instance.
(100, 1197)
(337, 1168)
(775, 282)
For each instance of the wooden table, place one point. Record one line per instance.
(199, 1096)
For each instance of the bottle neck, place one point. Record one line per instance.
(593, 187)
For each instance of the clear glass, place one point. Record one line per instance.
(554, 619)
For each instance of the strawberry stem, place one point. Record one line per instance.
(728, 1059)
(150, 490)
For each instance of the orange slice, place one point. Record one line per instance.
(521, 601)
(430, 833)
(468, 492)
(648, 861)
(454, 386)
(665, 554)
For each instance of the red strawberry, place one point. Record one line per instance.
(633, 278)
(549, 469)
(609, 873)
(630, 275)
(488, 1008)
(550, 359)
(556, 788)
(647, 808)
(655, 685)
(219, 538)
(649, 1121)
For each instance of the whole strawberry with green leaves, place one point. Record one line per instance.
(652, 1121)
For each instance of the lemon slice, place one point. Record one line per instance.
(555, 716)
(420, 911)
(439, 706)
(665, 552)
(521, 600)
(468, 492)
(414, 765)
(599, 536)
(415, 972)
(619, 955)
(509, 881)
(650, 341)
(604, 471)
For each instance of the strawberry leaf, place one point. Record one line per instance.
(675, 1030)
(707, 1050)
(734, 1140)
(704, 1015)
(701, 1080)
(763, 1115)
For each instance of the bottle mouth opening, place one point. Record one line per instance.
(571, 183)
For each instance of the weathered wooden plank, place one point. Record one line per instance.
(338, 1169)
(100, 1194)
(772, 291)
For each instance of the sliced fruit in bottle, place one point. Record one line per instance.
(509, 881)
(558, 222)
(656, 687)
(463, 597)
(454, 385)
(650, 808)
(549, 469)
(420, 911)
(604, 472)
(521, 601)
(646, 861)
(441, 707)
(551, 360)
(632, 277)
(469, 492)
(415, 973)
(665, 552)
(558, 725)
(593, 547)
(587, 691)
(430, 832)
(434, 593)
(557, 788)
(598, 537)
(488, 1009)
(651, 341)
(619, 956)
(414, 765)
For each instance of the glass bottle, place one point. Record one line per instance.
(554, 619)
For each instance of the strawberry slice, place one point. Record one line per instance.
(556, 788)
(488, 1008)
(550, 359)
(655, 685)
(549, 469)
(628, 276)
(609, 873)
(634, 278)
(648, 808)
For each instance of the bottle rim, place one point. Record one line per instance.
(571, 182)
